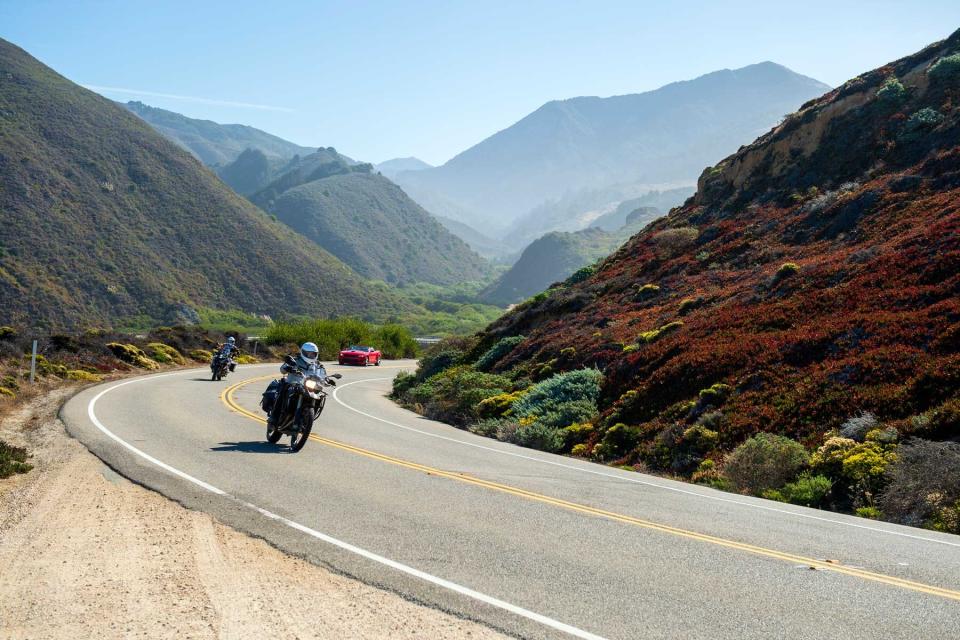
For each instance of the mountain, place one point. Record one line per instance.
(604, 207)
(813, 278)
(391, 168)
(652, 139)
(105, 221)
(213, 143)
(371, 224)
(559, 254)
(482, 244)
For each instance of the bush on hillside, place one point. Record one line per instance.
(808, 491)
(924, 485)
(946, 68)
(165, 354)
(765, 461)
(857, 427)
(547, 396)
(496, 353)
(892, 92)
(455, 394)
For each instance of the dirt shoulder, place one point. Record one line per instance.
(86, 553)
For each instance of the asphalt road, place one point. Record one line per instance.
(531, 543)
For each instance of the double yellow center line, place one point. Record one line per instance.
(228, 399)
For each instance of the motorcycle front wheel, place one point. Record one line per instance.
(300, 436)
(273, 435)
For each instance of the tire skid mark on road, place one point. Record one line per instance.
(228, 399)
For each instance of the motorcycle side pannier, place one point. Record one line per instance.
(270, 396)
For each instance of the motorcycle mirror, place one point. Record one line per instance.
(337, 376)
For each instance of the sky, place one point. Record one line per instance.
(379, 80)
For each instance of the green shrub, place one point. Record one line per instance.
(786, 270)
(647, 291)
(808, 491)
(165, 354)
(539, 436)
(567, 413)
(455, 394)
(676, 240)
(689, 304)
(765, 461)
(577, 433)
(892, 92)
(581, 274)
(497, 352)
(546, 396)
(499, 405)
(7, 333)
(618, 441)
(9, 382)
(486, 428)
(402, 383)
(872, 513)
(12, 460)
(652, 336)
(715, 395)
(919, 123)
(437, 362)
(946, 68)
(858, 467)
(132, 354)
(82, 376)
(201, 355)
(7, 393)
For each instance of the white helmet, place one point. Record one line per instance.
(309, 352)
(231, 340)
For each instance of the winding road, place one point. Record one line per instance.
(531, 543)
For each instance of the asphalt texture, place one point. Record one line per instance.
(533, 544)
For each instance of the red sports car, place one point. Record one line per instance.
(361, 356)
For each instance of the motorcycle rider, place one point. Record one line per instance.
(228, 349)
(304, 364)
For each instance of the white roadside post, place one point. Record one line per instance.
(33, 363)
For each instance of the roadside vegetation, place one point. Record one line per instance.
(881, 469)
(332, 335)
(93, 356)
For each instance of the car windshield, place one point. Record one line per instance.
(356, 348)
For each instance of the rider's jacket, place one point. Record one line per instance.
(227, 349)
(302, 369)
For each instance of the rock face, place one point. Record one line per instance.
(103, 222)
(816, 272)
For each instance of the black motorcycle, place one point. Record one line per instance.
(220, 366)
(303, 401)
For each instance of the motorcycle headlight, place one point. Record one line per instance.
(311, 384)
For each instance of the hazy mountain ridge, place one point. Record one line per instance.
(658, 137)
(102, 220)
(214, 143)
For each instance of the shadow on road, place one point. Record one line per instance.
(256, 446)
(203, 380)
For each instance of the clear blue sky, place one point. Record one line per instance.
(385, 79)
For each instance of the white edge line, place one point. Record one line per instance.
(626, 479)
(346, 546)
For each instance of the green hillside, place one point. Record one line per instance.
(214, 143)
(371, 224)
(104, 221)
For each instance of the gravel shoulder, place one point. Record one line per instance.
(86, 553)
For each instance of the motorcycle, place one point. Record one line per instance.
(303, 402)
(220, 366)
